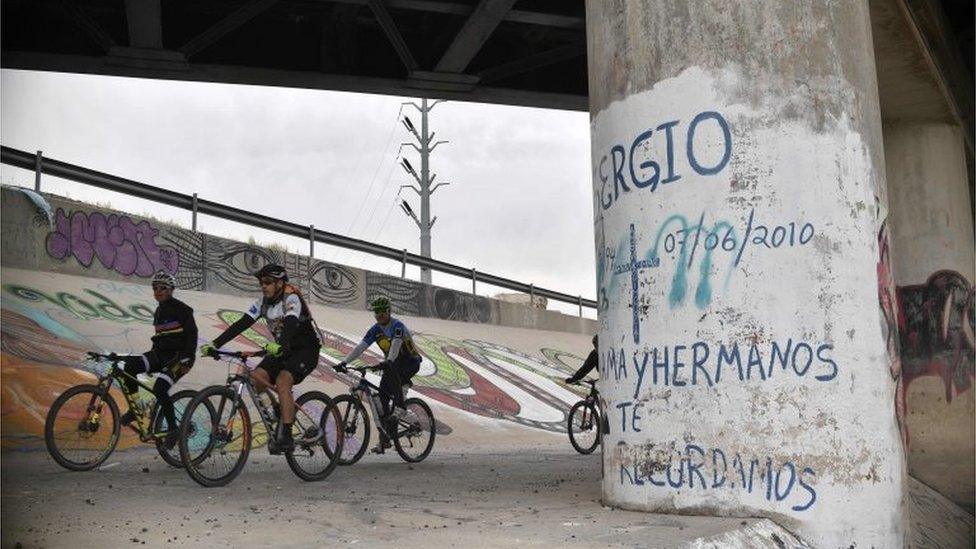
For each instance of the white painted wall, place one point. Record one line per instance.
(820, 442)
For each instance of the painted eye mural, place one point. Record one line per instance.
(451, 305)
(405, 294)
(335, 284)
(190, 248)
(234, 263)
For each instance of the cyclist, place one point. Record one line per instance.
(401, 364)
(591, 362)
(171, 355)
(292, 355)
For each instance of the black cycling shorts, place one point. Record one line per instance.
(300, 362)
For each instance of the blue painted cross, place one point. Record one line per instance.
(634, 267)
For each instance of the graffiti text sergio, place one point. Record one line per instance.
(639, 162)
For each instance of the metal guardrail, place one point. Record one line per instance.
(41, 164)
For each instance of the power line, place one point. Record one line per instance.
(372, 181)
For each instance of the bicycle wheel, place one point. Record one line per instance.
(415, 431)
(583, 426)
(198, 433)
(227, 436)
(78, 433)
(355, 429)
(311, 432)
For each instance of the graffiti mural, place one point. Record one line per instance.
(936, 328)
(120, 243)
(482, 378)
(118, 246)
(411, 298)
(451, 305)
(94, 305)
(405, 294)
(335, 284)
(234, 263)
(191, 247)
(48, 323)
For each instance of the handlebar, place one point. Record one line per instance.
(240, 355)
(112, 357)
(590, 382)
(361, 369)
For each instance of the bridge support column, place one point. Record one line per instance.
(748, 346)
(931, 227)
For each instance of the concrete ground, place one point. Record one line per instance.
(523, 496)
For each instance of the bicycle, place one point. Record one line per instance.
(229, 432)
(79, 414)
(415, 431)
(583, 422)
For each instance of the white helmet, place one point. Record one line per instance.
(164, 278)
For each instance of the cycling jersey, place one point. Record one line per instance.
(176, 332)
(288, 318)
(392, 338)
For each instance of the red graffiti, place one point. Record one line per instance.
(936, 327)
(120, 244)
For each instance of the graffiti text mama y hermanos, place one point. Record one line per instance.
(648, 160)
(702, 363)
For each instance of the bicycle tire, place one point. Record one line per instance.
(52, 416)
(418, 407)
(354, 443)
(193, 464)
(294, 456)
(583, 407)
(172, 457)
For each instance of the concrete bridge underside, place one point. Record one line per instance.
(850, 120)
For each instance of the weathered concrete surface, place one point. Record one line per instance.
(86, 240)
(932, 256)
(537, 497)
(739, 198)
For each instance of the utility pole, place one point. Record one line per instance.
(425, 180)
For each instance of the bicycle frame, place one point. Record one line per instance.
(142, 424)
(365, 391)
(240, 382)
(593, 398)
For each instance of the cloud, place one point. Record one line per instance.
(520, 203)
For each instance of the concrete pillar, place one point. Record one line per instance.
(931, 227)
(739, 199)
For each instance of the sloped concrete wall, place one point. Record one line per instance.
(86, 240)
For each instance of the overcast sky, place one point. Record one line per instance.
(520, 203)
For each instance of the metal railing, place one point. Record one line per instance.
(41, 164)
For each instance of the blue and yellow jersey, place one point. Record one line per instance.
(384, 336)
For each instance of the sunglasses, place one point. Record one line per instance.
(266, 281)
(160, 287)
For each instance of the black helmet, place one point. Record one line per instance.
(272, 271)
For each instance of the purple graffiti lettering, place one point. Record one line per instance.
(120, 243)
